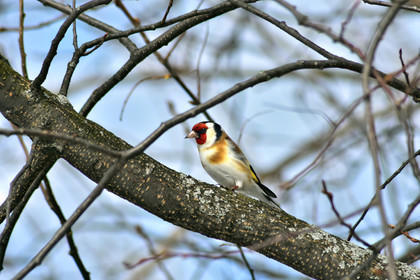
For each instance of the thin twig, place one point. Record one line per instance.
(206, 37)
(59, 36)
(55, 207)
(153, 251)
(241, 131)
(305, 20)
(329, 140)
(171, 2)
(60, 136)
(404, 119)
(348, 18)
(12, 220)
(174, 46)
(353, 275)
(49, 196)
(372, 138)
(162, 60)
(406, 234)
(407, 79)
(168, 255)
(383, 186)
(21, 41)
(71, 66)
(66, 9)
(33, 27)
(389, 4)
(411, 256)
(74, 28)
(248, 266)
(37, 260)
(340, 219)
(283, 26)
(135, 86)
(401, 223)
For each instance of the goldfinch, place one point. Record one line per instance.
(224, 161)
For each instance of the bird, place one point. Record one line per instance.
(225, 162)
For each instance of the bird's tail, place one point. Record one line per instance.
(270, 201)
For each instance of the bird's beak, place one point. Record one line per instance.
(192, 134)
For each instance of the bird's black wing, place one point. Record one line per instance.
(266, 190)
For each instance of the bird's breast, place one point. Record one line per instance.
(216, 154)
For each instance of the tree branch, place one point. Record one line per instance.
(59, 36)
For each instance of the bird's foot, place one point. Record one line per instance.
(234, 188)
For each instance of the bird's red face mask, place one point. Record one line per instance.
(199, 133)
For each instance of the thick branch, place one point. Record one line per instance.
(184, 201)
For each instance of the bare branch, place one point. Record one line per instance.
(372, 138)
(59, 36)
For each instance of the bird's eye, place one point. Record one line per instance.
(202, 131)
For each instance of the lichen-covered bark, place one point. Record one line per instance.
(184, 201)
